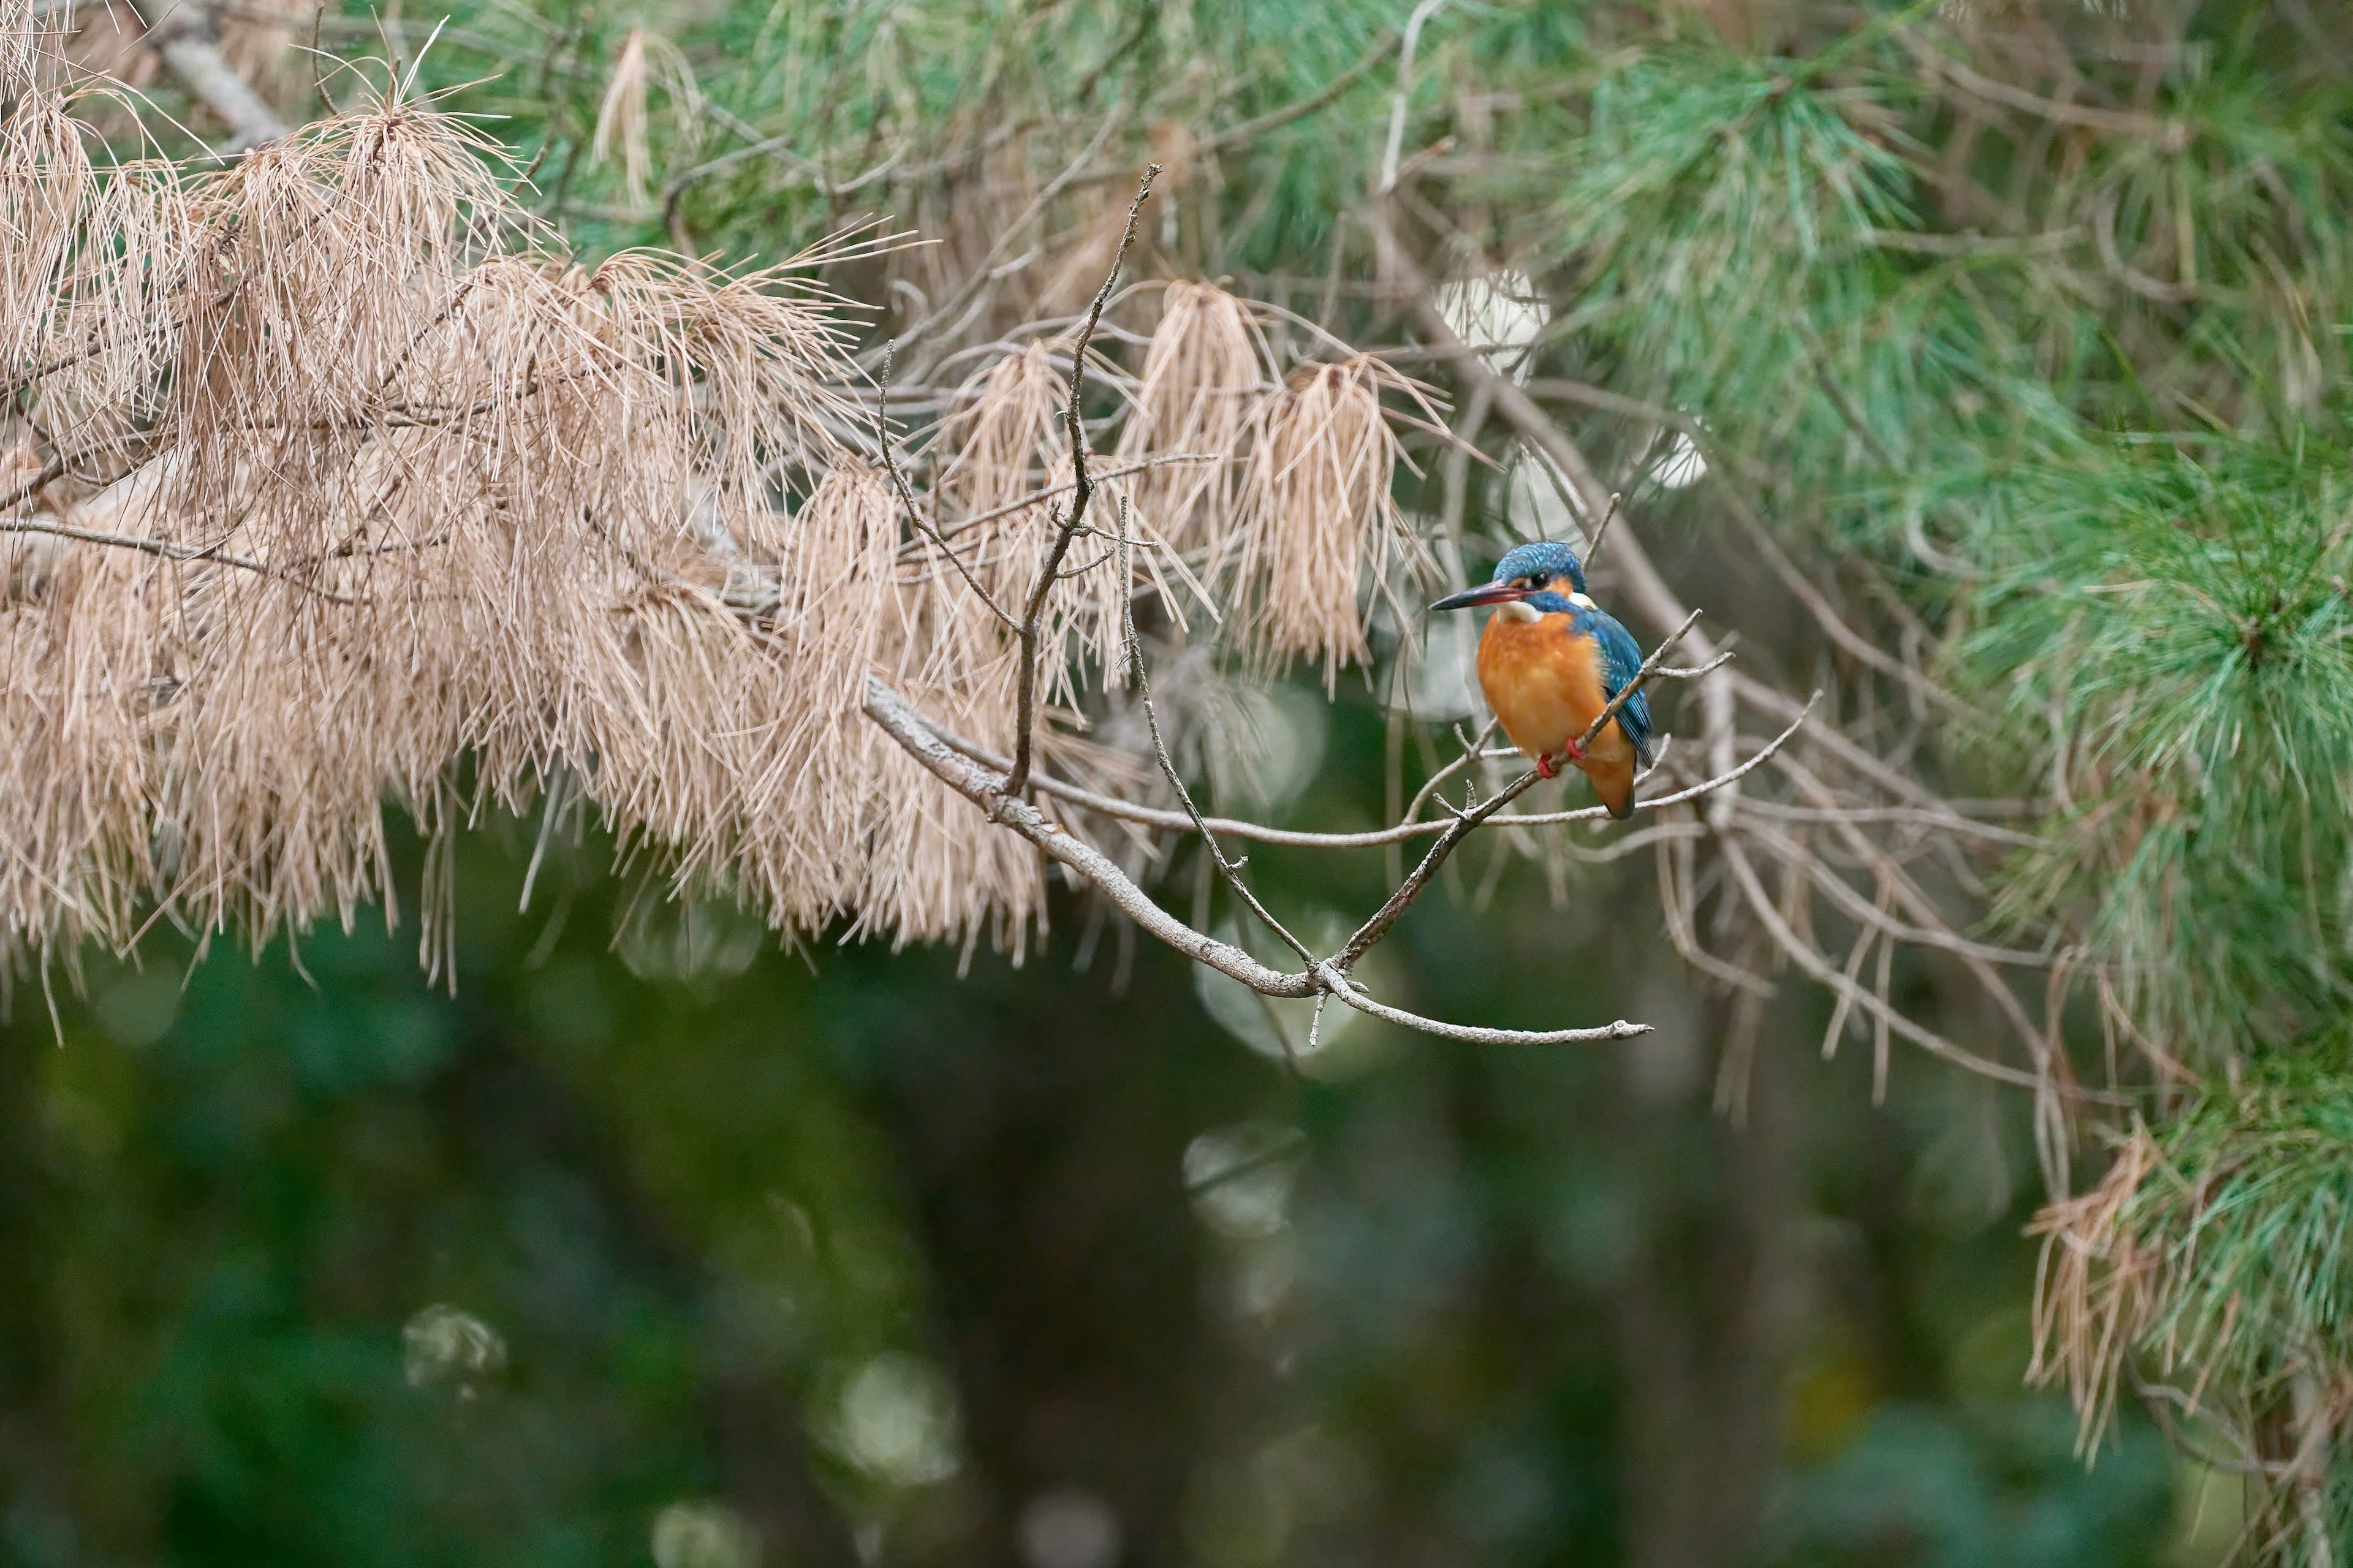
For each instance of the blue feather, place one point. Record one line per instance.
(1545, 562)
(1621, 660)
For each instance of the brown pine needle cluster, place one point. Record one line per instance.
(1315, 516)
(2205, 1275)
(333, 483)
(1202, 379)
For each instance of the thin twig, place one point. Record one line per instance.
(2169, 136)
(907, 495)
(204, 555)
(1133, 650)
(1762, 905)
(984, 273)
(51, 473)
(1024, 698)
(1402, 92)
(1430, 785)
(1037, 497)
(1834, 625)
(1601, 531)
(1299, 838)
(1456, 831)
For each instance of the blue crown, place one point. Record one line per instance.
(1543, 562)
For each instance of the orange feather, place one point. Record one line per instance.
(1543, 683)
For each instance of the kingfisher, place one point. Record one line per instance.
(1550, 662)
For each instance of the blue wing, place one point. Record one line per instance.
(1621, 660)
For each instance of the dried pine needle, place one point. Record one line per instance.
(376, 487)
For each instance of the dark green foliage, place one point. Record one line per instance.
(2179, 614)
(1716, 206)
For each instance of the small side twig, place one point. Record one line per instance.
(1025, 697)
(907, 495)
(1384, 43)
(1601, 530)
(164, 549)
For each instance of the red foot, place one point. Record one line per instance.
(1547, 768)
(1574, 752)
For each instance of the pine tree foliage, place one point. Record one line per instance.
(2175, 615)
(2009, 337)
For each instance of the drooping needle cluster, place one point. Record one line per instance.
(334, 482)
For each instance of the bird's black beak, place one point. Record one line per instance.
(1484, 594)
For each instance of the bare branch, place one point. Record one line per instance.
(987, 791)
(1832, 623)
(1760, 902)
(1259, 833)
(1456, 831)
(1693, 792)
(1601, 531)
(1025, 700)
(1035, 497)
(204, 555)
(1430, 785)
(1402, 92)
(1678, 672)
(183, 37)
(1641, 678)
(2168, 135)
(984, 274)
(51, 471)
(1131, 648)
(907, 728)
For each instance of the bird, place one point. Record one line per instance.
(1550, 662)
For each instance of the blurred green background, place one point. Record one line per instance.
(675, 1247)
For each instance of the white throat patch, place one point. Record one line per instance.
(1518, 610)
(1580, 599)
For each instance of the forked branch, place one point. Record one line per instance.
(1468, 822)
(988, 790)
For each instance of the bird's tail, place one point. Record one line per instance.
(1614, 785)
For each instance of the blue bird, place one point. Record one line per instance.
(1550, 662)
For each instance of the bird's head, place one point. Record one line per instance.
(1530, 570)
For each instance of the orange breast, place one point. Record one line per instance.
(1545, 686)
